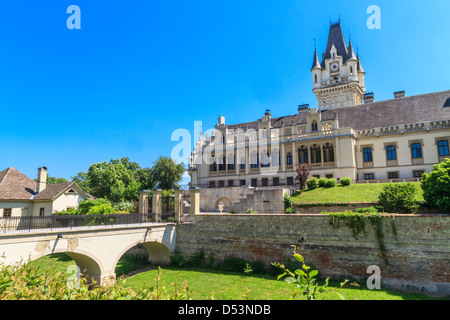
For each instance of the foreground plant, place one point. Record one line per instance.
(25, 282)
(305, 279)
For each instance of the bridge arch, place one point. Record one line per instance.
(90, 266)
(158, 252)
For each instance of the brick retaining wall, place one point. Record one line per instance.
(418, 253)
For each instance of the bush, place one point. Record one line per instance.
(398, 198)
(124, 206)
(312, 183)
(371, 209)
(346, 181)
(289, 210)
(287, 201)
(436, 186)
(322, 182)
(330, 183)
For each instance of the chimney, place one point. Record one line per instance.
(399, 94)
(303, 108)
(42, 179)
(369, 97)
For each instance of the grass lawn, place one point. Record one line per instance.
(362, 192)
(207, 284)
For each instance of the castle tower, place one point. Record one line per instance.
(338, 80)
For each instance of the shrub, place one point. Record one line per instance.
(124, 206)
(398, 198)
(287, 201)
(251, 211)
(330, 183)
(233, 264)
(312, 183)
(371, 209)
(436, 187)
(289, 210)
(322, 182)
(346, 181)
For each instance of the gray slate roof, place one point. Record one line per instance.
(408, 110)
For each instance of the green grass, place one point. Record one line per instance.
(221, 285)
(363, 192)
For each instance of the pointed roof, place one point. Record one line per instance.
(360, 68)
(336, 38)
(351, 53)
(14, 185)
(316, 63)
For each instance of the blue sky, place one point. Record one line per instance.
(138, 70)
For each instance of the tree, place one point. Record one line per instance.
(82, 181)
(114, 180)
(167, 173)
(303, 170)
(436, 186)
(54, 180)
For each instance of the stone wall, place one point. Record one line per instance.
(240, 199)
(417, 247)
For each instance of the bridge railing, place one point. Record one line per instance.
(70, 221)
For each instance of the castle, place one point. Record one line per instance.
(349, 134)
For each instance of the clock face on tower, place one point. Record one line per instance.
(334, 67)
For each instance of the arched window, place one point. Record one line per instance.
(351, 70)
(276, 158)
(443, 148)
(231, 161)
(242, 163)
(391, 152)
(265, 160)
(316, 156)
(289, 159)
(367, 152)
(328, 153)
(213, 165)
(314, 126)
(315, 78)
(303, 155)
(255, 160)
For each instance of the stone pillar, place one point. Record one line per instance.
(157, 205)
(143, 203)
(294, 156)
(283, 158)
(179, 207)
(195, 203)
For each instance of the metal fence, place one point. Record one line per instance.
(70, 221)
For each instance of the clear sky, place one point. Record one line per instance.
(138, 70)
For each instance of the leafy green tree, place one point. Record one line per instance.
(167, 173)
(436, 186)
(54, 180)
(82, 181)
(113, 180)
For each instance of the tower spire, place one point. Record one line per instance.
(316, 63)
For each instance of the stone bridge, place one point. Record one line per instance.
(96, 250)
